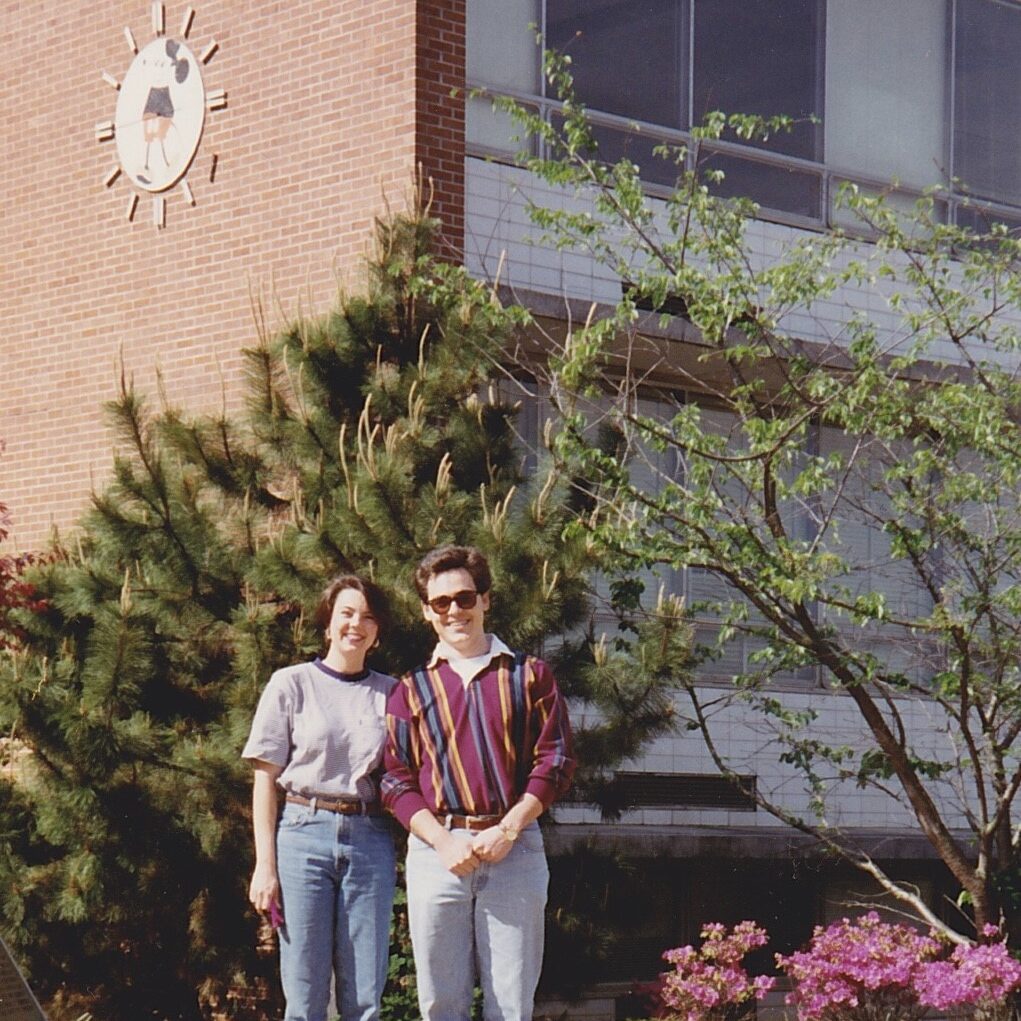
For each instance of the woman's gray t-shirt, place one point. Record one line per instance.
(326, 730)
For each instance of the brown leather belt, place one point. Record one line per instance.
(472, 823)
(344, 806)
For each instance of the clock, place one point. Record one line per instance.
(161, 110)
(160, 114)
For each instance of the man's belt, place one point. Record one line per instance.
(344, 806)
(472, 823)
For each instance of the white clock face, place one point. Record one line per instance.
(161, 110)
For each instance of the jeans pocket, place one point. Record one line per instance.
(295, 816)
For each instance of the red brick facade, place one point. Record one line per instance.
(439, 124)
(331, 108)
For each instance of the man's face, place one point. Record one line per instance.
(462, 628)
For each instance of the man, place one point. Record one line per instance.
(479, 745)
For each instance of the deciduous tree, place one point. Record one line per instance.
(842, 496)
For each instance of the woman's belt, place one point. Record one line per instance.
(344, 806)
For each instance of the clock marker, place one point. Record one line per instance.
(131, 39)
(189, 16)
(158, 19)
(111, 81)
(115, 172)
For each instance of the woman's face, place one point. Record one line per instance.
(353, 629)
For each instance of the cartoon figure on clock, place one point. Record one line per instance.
(160, 114)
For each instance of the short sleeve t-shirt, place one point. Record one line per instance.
(326, 730)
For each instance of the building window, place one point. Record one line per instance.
(912, 92)
(987, 107)
(643, 44)
(501, 52)
(760, 57)
(884, 112)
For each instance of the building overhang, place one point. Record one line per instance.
(732, 842)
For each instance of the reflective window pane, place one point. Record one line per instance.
(885, 88)
(981, 220)
(627, 56)
(500, 47)
(784, 189)
(760, 57)
(987, 108)
(496, 131)
(904, 204)
(638, 147)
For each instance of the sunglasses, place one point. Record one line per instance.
(465, 600)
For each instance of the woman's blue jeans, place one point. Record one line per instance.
(337, 875)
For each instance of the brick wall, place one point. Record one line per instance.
(439, 126)
(320, 127)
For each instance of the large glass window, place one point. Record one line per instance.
(762, 57)
(626, 55)
(643, 41)
(501, 51)
(885, 89)
(987, 107)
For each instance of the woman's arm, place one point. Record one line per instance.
(264, 888)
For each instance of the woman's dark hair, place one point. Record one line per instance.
(453, 558)
(379, 605)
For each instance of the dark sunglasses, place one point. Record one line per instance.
(466, 600)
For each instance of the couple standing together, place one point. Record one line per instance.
(474, 745)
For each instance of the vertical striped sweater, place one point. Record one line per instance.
(475, 749)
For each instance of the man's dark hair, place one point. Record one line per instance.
(453, 558)
(379, 605)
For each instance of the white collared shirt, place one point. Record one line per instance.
(469, 667)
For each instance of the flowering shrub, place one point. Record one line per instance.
(868, 970)
(983, 977)
(706, 984)
(861, 970)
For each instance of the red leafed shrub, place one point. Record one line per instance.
(15, 592)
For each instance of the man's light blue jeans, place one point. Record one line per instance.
(337, 876)
(493, 918)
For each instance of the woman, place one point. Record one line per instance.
(327, 868)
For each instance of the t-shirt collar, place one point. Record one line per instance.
(360, 676)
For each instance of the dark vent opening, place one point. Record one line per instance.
(630, 790)
(672, 305)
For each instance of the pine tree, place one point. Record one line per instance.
(372, 434)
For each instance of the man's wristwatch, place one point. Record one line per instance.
(509, 832)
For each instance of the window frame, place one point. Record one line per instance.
(950, 199)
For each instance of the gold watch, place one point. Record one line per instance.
(509, 832)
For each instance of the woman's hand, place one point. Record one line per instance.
(264, 888)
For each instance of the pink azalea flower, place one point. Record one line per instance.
(706, 984)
